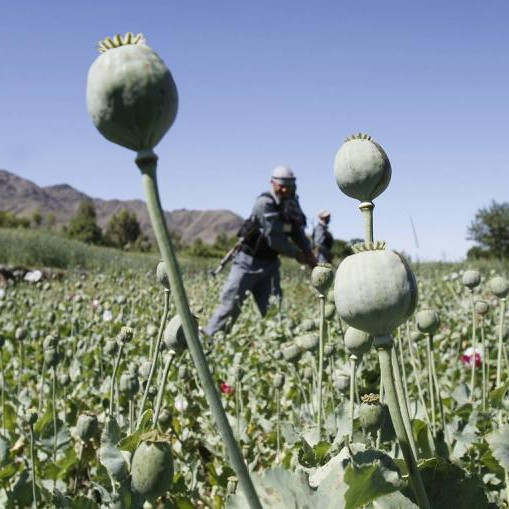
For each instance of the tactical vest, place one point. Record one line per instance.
(254, 242)
(327, 243)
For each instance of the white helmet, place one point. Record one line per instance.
(283, 174)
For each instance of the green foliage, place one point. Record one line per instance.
(341, 249)
(110, 456)
(123, 229)
(278, 489)
(74, 308)
(498, 394)
(83, 226)
(10, 220)
(371, 474)
(36, 218)
(218, 249)
(51, 220)
(490, 229)
(499, 444)
(33, 248)
(447, 485)
(366, 483)
(478, 253)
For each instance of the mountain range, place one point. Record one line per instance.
(23, 197)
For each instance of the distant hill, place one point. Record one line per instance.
(22, 197)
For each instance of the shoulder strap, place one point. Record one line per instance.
(266, 194)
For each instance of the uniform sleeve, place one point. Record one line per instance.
(319, 236)
(321, 242)
(271, 227)
(300, 238)
(299, 234)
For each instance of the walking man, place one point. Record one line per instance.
(275, 227)
(322, 238)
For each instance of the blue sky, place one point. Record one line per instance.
(277, 82)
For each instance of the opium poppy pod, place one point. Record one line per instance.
(362, 168)
(131, 95)
(375, 291)
(499, 287)
(427, 320)
(152, 466)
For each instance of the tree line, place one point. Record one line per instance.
(489, 230)
(123, 231)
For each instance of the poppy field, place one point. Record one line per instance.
(371, 384)
(78, 352)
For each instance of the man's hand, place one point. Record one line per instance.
(311, 260)
(306, 258)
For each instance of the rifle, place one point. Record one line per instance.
(226, 258)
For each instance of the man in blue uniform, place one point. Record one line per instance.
(322, 238)
(275, 227)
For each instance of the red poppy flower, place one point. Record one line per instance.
(226, 388)
(467, 357)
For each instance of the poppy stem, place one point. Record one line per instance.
(147, 163)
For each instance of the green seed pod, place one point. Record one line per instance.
(329, 311)
(308, 373)
(32, 416)
(330, 296)
(278, 355)
(131, 95)
(342, 382)
(162, 275)
(51, 357)
(165, 417)
(152, 466)
(87, 426)
(357, 342)
(174, 336)
(362, 168)
(329, 349)
(309, 342)
(20, 333)
(151, 330)
(322, 277)
(291, 352)
(371, 413)
(307, 325)
(129, 384)
(232, 485)
(126, 334)
(415, 336)
(144, 369)
(375, 291)
(471, 278)
(427, 320)
(481, 307)
(64, 379)
(278, 381)
(499, 287)
(183, 372)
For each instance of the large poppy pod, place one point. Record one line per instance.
(131, 95)
(375, 291)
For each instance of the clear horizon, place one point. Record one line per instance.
(263, 84)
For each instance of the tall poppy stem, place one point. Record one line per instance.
(147, 163)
